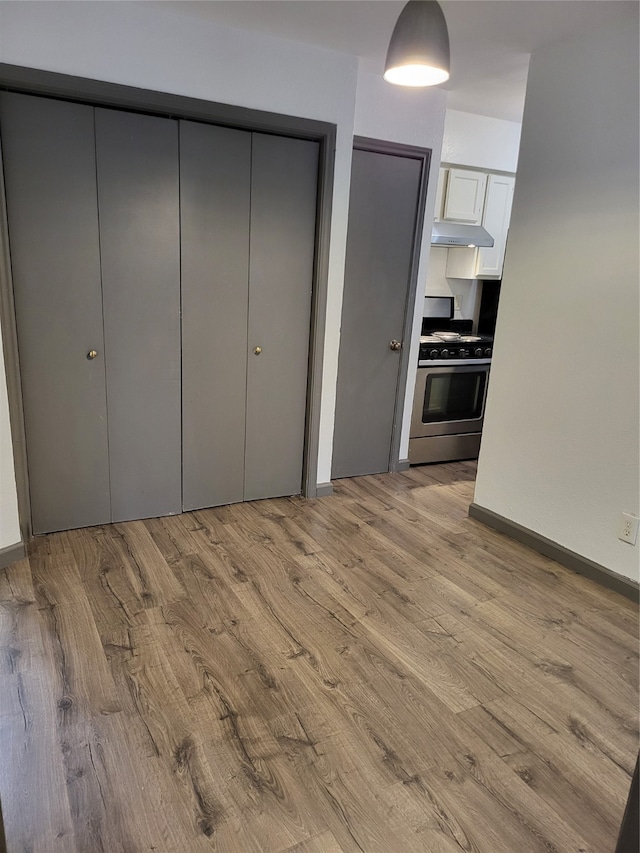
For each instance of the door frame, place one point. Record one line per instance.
(378, 146)
(32, 81)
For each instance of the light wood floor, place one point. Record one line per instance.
(369, 672)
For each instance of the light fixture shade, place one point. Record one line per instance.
(418, 52)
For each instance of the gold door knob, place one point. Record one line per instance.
(395, 345)
(92, 354)
(257, 350)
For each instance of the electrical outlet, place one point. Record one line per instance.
(628, 530)
(457, 303)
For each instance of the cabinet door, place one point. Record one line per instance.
(497, 213)
(442, 182)
(284, 180)
(215, 174)
(50, 174)
(464, 200)
(137, 168)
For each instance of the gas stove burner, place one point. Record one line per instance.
(453, 347)
(447, 336)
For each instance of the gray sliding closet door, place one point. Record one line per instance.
(383, 208)
(283, 216)
(138, 197)
(50, 174)
(215, 175)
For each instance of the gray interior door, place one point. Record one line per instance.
(282, 243)
(382, 220)
(215, 174)
(138, 197)
(50, 174)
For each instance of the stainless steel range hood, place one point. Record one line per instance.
(454, 234)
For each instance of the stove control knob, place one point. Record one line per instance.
(433, 353)
(488, 352)
(444, 353)
(478, 352)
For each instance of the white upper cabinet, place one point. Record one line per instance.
(495, 217)
(464, 199)
(497, 213)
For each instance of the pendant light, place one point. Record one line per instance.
(418, 52)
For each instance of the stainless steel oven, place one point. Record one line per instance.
(449, 400)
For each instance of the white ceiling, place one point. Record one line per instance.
(491, 40)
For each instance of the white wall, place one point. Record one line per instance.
(480, 141)
(560, 450)
(463, 290)
(155, 49)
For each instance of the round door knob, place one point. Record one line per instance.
(257, 350)
(92, 354)
(395, 345)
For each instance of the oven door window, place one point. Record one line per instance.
(454, 397)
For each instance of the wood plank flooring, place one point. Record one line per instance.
(373, 671)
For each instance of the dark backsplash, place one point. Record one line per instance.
(463, 327)
(488, 307)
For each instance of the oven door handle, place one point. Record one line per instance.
(453, 362)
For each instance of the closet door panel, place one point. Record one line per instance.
(283, 218)
(215, 174)
(138, 196)
(49, 164)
